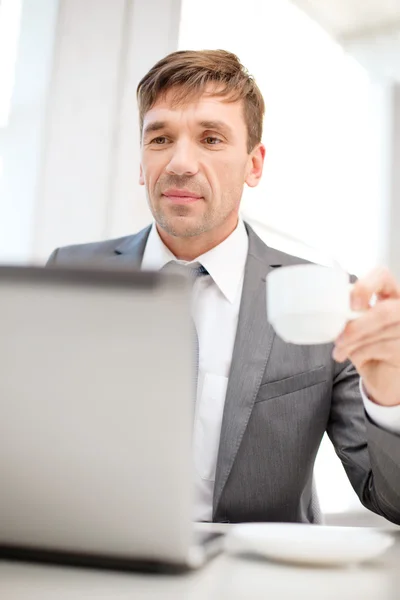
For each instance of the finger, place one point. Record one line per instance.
(341, 353)
(383, 315)
(381, 351)
(380, 282)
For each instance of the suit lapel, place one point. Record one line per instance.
(130, 252)
(253, 342)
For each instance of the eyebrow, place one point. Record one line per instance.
(215, 125)
(154, 127)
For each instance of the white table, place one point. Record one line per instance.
(225, 578)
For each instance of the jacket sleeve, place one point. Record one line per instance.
(369, 454)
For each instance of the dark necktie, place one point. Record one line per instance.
(192, 273)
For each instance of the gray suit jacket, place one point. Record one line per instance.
(281, 398)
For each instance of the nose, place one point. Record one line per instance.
(183, 160)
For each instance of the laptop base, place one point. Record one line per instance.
(211, 545)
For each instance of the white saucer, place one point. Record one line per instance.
(308, 544)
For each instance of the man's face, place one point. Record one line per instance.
(195, 162)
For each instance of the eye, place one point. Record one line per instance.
(159, 141)
(212, 141)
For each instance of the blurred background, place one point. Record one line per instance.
(69, 138)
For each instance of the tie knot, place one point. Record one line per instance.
(188, 270)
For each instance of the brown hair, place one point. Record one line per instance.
(189, 72)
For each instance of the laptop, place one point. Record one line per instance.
(96, 411)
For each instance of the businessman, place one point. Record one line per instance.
(262, 405)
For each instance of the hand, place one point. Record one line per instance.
(372, 342)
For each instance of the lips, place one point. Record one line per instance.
(181, 196)
(178, 193)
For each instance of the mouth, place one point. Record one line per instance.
(181, 196)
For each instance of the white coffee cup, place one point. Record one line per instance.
(309, 304)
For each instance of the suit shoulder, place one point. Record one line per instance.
(279, 257)
(82, 252)
(261, 250)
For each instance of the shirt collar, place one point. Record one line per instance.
(225, 263)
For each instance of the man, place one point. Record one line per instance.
(262, 405)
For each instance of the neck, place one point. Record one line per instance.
(190, 248)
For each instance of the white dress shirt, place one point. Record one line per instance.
(216, 303)
(387, 417)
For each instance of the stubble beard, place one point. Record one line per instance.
(178, 222)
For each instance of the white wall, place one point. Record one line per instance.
(21, 141)
(393, 175)
(71, 149)
(80, 128)
(10, 22)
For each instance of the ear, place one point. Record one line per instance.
(256, 165)
(141, 177)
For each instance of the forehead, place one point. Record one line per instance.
(196, 109)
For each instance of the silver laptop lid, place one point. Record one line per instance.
(96, 389)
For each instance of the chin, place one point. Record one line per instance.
(183, 227)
